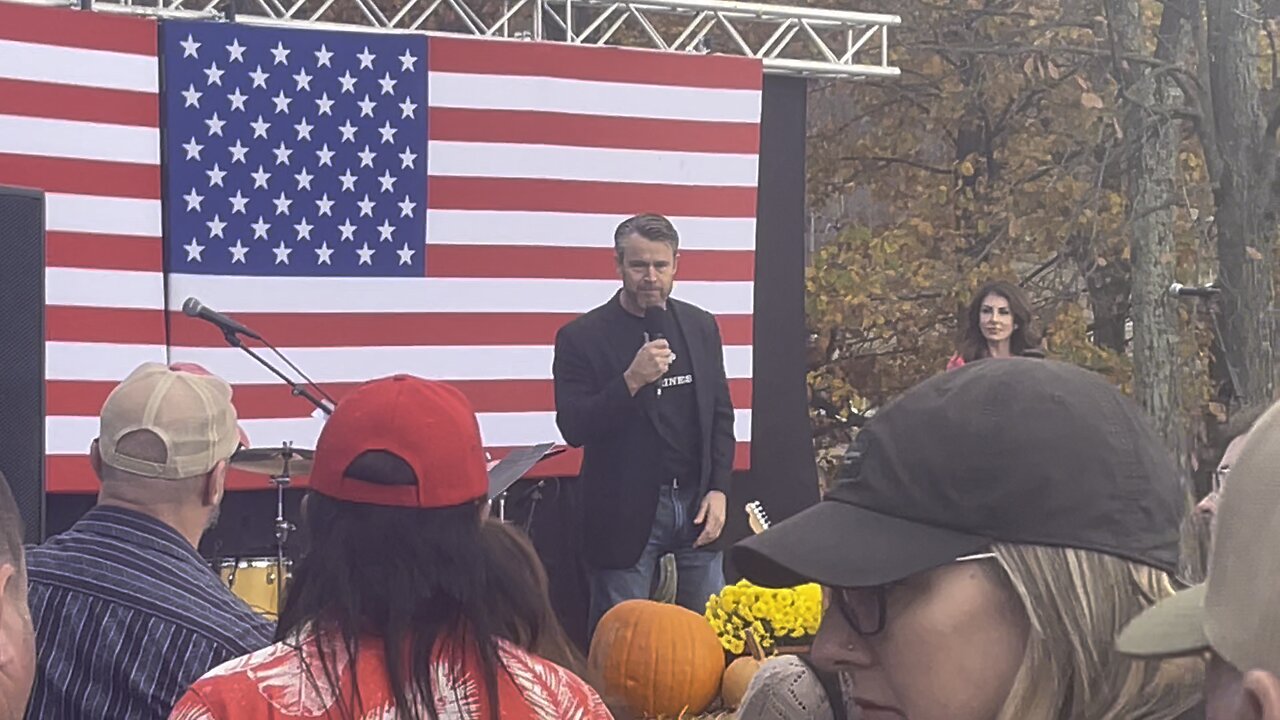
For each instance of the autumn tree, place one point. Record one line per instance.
(1240, 143)
(1010, 147)
(1151, 104)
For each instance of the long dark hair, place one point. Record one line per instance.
(1026, 336)
(521, 593)
(415, 579)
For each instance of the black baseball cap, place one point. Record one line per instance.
(1014, 450)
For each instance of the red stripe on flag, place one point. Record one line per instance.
(85, 104)
(582, 263)
(264, 402)
(76, 29)
(103, 325)
(549, 128)
(622, 65)
(581, 196)
(103, 252)
(74, 176)
(72, 474)
(405, 329)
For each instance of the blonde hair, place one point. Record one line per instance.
(1076, 602)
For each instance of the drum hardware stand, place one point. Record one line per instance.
(282, 526)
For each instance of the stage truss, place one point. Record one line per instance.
(790, 40)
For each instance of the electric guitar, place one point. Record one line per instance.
(757, 518)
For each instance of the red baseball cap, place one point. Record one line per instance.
(430, 425)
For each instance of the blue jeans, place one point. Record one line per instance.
(699, 571)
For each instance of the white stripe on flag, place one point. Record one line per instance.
(77, 66)
(103, 215)
(83, 287)
(71, 435)
(80, 140)
(93, 361)
(589, 97)
(483, 227)
(457, 295)
(101, 362)
(554, 162)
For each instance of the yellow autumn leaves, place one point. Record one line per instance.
(771, 615)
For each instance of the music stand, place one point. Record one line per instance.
(513, 467)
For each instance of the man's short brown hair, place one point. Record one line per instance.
(649, 226)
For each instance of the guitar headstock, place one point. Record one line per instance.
(757, 518)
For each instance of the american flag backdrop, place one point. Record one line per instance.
(370, 203)
(80, 119)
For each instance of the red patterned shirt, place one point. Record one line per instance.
(287, 682)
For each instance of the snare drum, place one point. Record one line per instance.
(255, 580)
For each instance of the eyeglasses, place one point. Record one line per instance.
(1219, 477)
(866, 609)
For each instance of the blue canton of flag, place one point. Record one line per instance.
(294, 152)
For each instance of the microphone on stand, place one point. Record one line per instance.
(233, 329)
(1179, 290)
(196, 309)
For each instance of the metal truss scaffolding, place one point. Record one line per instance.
(789, 40)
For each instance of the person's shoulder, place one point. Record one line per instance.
(691, 315)
(276, 654)
(688, 309)
(589, 319)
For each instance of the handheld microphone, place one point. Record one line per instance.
(655, 318)
(194, 308)
(654, 329)
(1179, 290)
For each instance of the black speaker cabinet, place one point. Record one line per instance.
(22, 389)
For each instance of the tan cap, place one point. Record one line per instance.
(1235, 611)
(188, 408)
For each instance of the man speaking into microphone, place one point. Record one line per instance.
(640, 386)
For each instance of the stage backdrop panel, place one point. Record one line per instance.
(22, 353)
(370, 203)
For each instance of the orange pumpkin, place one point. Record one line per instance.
(657, 659)
(736, 679)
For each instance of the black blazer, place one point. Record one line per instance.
(621, 471)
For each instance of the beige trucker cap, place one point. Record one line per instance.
(1234, 612)
(185, 406)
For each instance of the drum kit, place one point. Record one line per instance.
(261, 581)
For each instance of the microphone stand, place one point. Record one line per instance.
(282, 525)
(233, 339)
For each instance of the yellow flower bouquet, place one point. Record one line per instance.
(786, 616)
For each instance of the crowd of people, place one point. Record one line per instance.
(1008, 545)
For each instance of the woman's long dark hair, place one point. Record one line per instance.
(521, 594)
(415, 579)
(1026, 336)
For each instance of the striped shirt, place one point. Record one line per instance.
(127, 615)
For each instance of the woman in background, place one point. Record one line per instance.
(520, 590)
(997, 324)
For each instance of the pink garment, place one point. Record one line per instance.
(955, 362)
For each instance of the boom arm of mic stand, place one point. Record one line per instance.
(298, 390)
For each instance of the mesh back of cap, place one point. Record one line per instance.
(191, 414)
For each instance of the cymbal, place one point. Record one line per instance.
(271, 461)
